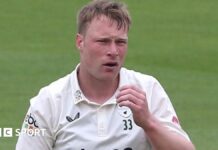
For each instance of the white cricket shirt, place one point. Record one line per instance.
(60, 117)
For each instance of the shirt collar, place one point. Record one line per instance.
(78, 95)
(77, 92)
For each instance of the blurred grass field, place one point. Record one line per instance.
(173, 40)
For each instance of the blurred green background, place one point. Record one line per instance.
(175, 41)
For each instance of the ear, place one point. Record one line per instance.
(79, 41)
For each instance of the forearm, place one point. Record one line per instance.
(163, 139)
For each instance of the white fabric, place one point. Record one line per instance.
(72, 122)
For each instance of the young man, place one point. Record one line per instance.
(101, 105)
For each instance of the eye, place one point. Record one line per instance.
(121, 42)
(103, 41)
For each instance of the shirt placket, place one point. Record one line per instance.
(101, 122)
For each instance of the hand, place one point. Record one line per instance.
(134, 98)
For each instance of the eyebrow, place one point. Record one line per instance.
(116, 38)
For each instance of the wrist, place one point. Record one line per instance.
(150, 124)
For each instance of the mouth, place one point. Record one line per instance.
(111, 64)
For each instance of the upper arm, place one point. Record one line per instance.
(36, 132)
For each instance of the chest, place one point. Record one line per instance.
(97, 128)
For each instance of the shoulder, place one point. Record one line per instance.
(133, 76)
(52, 92)
(52, 100)
(61, 85)
(149, 84)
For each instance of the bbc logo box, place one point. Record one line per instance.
(6, 132)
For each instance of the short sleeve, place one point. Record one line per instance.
(162, 108)
(36, 131)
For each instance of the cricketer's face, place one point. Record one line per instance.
(102, 49)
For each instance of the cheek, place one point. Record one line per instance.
(96, 51)
(91, 52)
(122, 52)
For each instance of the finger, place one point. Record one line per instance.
(139, 94)
(133, 99)
(127, 97)
(129, 104)
(133, 87)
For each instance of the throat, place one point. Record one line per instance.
(100, 94)
(98, 91)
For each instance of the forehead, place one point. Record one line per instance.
(102, 25)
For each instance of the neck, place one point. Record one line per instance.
(96, 90)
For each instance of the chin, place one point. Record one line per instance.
(110, 76)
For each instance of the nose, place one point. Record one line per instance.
(113, 50)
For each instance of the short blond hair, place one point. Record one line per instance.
(116, 11)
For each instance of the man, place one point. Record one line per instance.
(101, 105)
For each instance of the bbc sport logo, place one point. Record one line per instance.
(11, 132)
